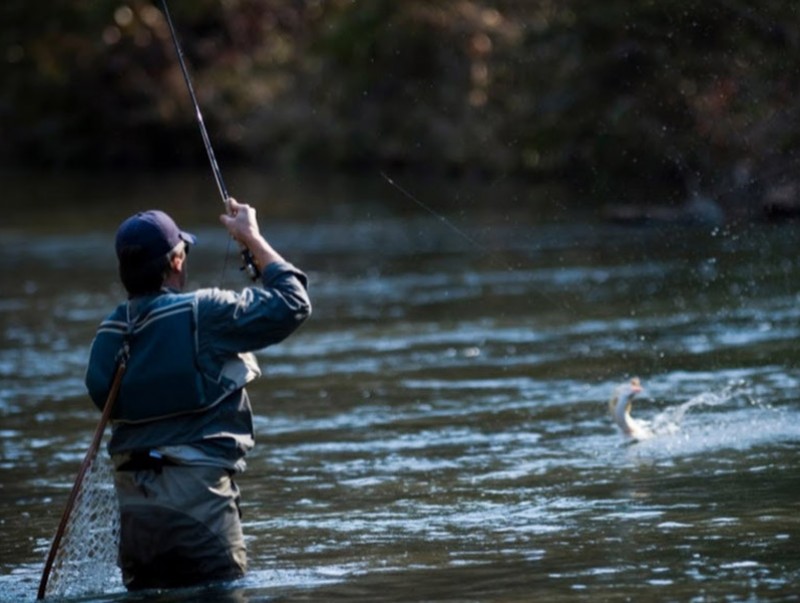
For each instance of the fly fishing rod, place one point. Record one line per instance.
(248, 263)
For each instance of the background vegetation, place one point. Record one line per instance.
(616, 97)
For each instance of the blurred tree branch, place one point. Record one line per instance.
(614, 96)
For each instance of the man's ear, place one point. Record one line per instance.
(176, 263)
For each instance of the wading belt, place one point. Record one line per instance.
(146, 460)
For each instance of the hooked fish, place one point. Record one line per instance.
(620, 407)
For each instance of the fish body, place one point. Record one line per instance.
(620, 407)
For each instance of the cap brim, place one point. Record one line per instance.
(188, 237)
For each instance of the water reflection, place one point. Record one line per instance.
(440, 429)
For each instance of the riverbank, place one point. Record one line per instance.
(653, 103)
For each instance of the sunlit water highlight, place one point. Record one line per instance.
(439, 430)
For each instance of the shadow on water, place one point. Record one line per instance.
(440, 429)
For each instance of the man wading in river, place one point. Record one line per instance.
(182, 422)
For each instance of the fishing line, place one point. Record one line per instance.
(436, 214)
(248, 263)
(465, 236)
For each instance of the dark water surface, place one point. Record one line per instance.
(439, 429)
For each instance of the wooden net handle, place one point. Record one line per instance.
(91, 453)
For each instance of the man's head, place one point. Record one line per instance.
(151, 250)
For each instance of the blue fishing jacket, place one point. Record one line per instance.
(190, 358)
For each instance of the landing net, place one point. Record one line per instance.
(86, 561)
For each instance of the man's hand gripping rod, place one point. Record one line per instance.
(248, 265)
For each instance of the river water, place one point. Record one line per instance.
(439, 429)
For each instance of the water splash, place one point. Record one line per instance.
(669, 421)
(745, 422)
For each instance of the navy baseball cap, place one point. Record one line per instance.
(149, 235)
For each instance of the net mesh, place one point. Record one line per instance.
(86, 561)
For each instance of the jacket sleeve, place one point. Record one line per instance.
(230, 322)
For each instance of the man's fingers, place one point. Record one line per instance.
(240, 221)
(231, 205)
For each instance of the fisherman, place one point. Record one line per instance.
(182, 422)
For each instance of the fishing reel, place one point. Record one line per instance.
(249, 265)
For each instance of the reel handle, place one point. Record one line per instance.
(249, 265)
